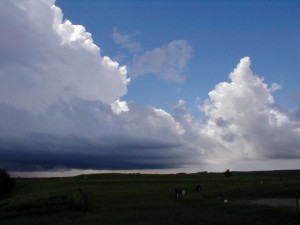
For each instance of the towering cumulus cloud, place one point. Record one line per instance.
(244, 120)
(59, 99)
(44, 60)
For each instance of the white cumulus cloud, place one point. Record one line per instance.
(45, 59)
(243, 119)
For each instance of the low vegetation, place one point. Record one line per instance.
(6, 183)
(139, 199)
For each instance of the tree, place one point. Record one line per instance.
(6, 182)
(227, 173)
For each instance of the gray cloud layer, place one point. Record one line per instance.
(60, 104)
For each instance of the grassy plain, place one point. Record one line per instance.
(139, 199)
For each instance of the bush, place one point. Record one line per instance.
(227, 173)
(6, 183)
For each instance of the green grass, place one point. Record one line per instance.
(138, 199)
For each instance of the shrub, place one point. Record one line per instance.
(6, 182)
(227, 173)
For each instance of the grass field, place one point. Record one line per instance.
(138, 199)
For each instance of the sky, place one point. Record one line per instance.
(156, 86)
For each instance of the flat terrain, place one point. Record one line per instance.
(138, 199)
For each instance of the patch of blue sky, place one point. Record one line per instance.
(219, 32)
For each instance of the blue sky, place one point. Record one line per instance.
(219, 32)
(163, 86)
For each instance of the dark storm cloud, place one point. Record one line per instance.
(59, 102)
(86, 134)
(48, 152)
